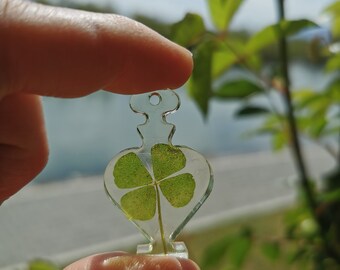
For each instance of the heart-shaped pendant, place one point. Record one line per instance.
(158, 186)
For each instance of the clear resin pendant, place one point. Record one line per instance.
(158, 186)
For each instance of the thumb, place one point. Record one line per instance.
(122, 261)
(69, 53)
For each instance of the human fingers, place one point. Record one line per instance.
(69, 53)
(23, 144)
(122, 261)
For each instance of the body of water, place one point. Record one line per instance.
(85, 133)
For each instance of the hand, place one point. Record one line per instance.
(67, 53)
(123, 261)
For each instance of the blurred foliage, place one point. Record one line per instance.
(234, 247)
(314, 238)
(262, 236)
(223, 12)
(334, 10)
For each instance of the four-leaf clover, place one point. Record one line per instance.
(130, 173)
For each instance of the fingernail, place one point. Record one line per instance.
(94, 261)
(189, 52)
(183, 49)
(188, 264)
(149, 262)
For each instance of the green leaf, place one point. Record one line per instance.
(166, 160)
(270, 34)
(42, 265)
(188, 31)
(333, 90)
(251, 110)
(223, 11)
(331, 196)
(215, 253)
(222, 59)
(315, 124)
(178, 190)
(271, 250)
(302, 97)
(230, 52)
(237, 89)
(240, 248)
(271, 126)
(279, 140)
(234, 248)
(317, 127)
(334, 11)
(333, 8)
(130, 172)
(297, 255)
(140, 204)
(315, 101)
(336, 27)
(199, 86)
(333, 63)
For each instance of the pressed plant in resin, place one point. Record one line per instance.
(158, 186)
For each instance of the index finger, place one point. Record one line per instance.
(69, 53)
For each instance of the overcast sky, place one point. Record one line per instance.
(254, 14)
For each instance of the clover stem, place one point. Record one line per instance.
(160, 220)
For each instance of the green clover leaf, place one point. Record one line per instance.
(140, 203)
(178, 190)
(130, 173)
(166, 160)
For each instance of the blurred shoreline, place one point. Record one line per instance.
(84, 134)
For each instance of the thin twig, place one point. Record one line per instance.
(296, 146)
(339, 150)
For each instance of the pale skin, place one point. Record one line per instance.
(48, 51)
